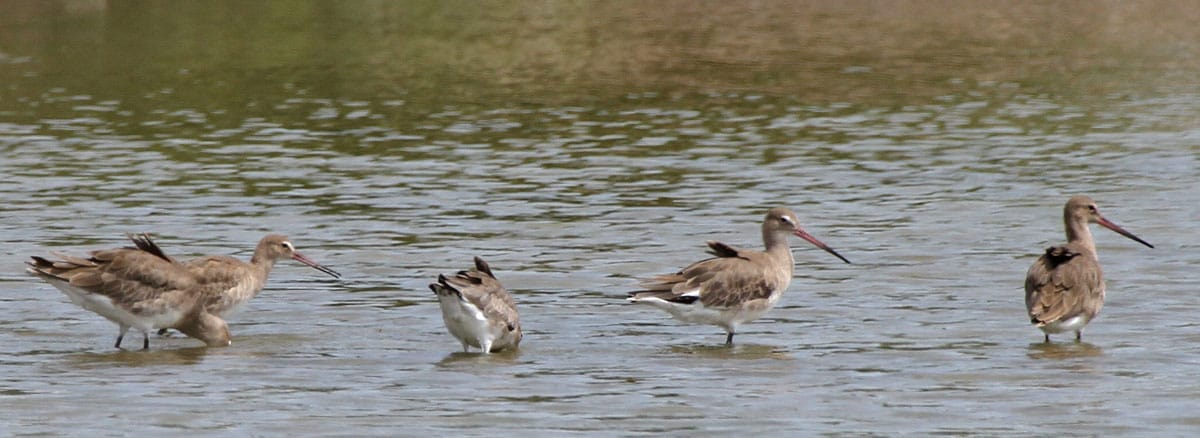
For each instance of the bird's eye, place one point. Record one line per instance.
(1092, 208)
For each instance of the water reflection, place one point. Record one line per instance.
(1063, 350)
(469, 360)
(720, 351)
(139, 358)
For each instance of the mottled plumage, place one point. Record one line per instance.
(477, 310)
(1064, 289)
(737, 285)
(233, 282)
(143, 288)
(135, 288)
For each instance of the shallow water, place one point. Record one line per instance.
(579, 146)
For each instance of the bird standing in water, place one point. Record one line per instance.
(1064, 289)
(736, 286)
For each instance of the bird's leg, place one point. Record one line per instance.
(1078, 336)
(486, 346)
(145, 340)
(121, 334)
(466, 348)
(729, 339)
(1047, 338)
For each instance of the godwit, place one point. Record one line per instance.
(135, 289)
(736, 286)
(228, 282)
(1064, 288)
(477, 310)
(219, 283)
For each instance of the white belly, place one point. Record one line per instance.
(728, 318)
(1067, 325)
(104, 306)
(467, 323)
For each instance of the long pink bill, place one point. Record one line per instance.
(813, 240)
(1108, 224)
(302, 259)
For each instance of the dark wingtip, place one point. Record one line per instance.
(442, 287)
(38, 266)
(721, 249)
(143, 242)
(441, 284)
(483, 267)
(684, 299)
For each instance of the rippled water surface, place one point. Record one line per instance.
(578, 146)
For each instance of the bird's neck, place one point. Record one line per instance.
(1079, 234)
(777, 246)
(263, 264)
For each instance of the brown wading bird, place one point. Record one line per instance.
(736, 286)
(143, 288)
(236, 281)
(477, 309)
(1064, 288)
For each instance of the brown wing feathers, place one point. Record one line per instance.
(1051, 281)
(481, 288)
(122, 274)
(723, 285)
(672, 287)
